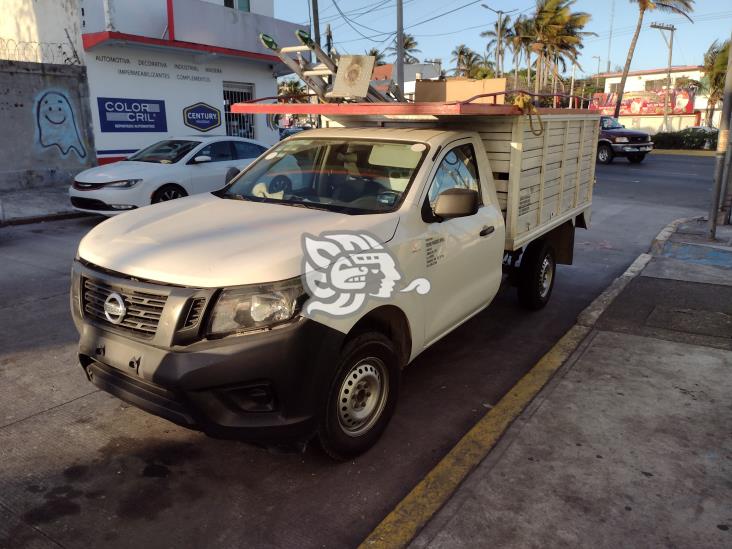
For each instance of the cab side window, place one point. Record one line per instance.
(458, 169)
(219, 151)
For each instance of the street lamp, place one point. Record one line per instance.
(499, 38)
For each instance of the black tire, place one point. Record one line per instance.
(636, 158)
(536, 275)
(604, 153)
(168, 192)
(367, 361)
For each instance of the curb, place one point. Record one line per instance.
(43, 218)
(431, 493)
(686, 152)
(660, 241)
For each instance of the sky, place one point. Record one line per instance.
(375, 19)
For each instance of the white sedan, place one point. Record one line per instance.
(169, 169)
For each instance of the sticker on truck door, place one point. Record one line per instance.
(343, 269)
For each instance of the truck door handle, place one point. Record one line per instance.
(485, 231)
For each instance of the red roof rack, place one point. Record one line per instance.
(453, 108)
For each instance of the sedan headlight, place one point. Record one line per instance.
(256, 307)
(621, 140)
(124, 184)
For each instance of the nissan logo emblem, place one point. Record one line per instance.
(114, 308)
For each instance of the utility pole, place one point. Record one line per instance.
(316, 22)
(328, 39)
(670, 43)
(400, 46)
(610, 38)
(571, 87)
(722, 166)
(499, 38)
(597, 76)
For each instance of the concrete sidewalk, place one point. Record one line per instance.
(35, 204)
(630, 444)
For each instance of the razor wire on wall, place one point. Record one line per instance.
(39, 52)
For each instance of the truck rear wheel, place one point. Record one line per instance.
(362, 397)
(536, 275)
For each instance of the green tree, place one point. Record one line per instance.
(378, 54)
(410, 48)
(681, 7)
(465, 59)
(499, 36)
(715, 72)
(292, 88)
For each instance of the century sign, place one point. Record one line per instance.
(202, 117)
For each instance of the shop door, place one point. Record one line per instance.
(239, 125)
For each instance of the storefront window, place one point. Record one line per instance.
(240, 125)
(241, 5)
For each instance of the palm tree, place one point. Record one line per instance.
(515, 43)
(410, 48)
(292, 89)
(715, 70)
(498, 36)
(465, 60)
(681, 7)
(378, 54)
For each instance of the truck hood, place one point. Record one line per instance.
(624, 132)
(117, 171)
(208, 242)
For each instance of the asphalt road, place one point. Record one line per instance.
(79, 468)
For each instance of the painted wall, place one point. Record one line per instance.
(47, 124)
(654, 124)
(178, 80)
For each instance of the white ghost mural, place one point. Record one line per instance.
(57, 125)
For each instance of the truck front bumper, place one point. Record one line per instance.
(624, 149)
(266, 387)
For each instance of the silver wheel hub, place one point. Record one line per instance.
(546, 275)
(362, 396)
(170, 195)
(603, 154)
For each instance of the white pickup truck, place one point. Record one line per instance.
(284, 306)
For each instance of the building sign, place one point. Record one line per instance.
(202, 117)
(131, 115)
(643, 103)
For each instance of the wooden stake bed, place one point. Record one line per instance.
(541, 181)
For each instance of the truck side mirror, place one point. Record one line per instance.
(456, 202)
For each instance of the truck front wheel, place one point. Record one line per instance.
(362, 396)
(604, 153)
(536, 275)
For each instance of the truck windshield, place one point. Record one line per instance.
(349, 176)
(169, 151)
(611, 124)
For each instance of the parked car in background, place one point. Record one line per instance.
(616, 140)
(287, 132)
(168, 169)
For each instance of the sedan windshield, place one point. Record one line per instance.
(169, 151)
(350, 176)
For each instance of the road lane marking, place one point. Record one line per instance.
(411, 514)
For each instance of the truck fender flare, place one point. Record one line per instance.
(390, 321)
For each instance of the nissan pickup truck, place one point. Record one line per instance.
(283, 307)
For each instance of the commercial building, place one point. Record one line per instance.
(644, 95)
(156, 67)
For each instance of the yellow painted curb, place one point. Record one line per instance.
(683, 152)
(411, 514)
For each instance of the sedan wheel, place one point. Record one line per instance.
(168, 192)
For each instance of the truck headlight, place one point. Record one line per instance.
(123, 184)
(256, 307)
(621, 140)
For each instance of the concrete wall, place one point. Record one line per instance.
(46, 124)
(35, 30)
(654, 124)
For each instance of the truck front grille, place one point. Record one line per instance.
(143, 309)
